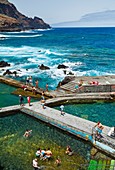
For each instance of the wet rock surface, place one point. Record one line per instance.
(4, 64)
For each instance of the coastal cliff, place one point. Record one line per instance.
(12, 20)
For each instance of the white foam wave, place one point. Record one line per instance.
(24, 36)
(43, 29)
(90, 73)
(72, 64)
(2, 36)
(23, 51)
(49, 52)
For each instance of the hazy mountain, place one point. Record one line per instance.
(106, 18)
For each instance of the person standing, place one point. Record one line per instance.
(47, 87)
(36, 82)
(61, 109)
(29, 99)
(43, 103)
(30, 81)
(27, 81)
(21, 99)
(43, 95)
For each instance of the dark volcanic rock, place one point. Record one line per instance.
(4, 64)
(62, 66)
(12, 20)
(70, 73)
(66, 80)
(8, 72)
(64, 71)
(43, 67)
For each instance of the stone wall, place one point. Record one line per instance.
(97, 88)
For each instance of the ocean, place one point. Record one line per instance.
(86, 52)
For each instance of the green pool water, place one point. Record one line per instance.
(17, 153)
(100, 111)
(8, 99)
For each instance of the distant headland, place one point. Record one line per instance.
(97, 19)
(12, 20)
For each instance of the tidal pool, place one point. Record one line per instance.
(100, 111)
(8, 99)
(17, 153)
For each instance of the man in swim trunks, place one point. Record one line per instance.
(21, 99)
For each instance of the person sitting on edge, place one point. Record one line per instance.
(69, 151)
(79, 85)
(24, 87)
(38, 152)
(111, 133)
(27, 133)
(34, 91)
(98, 127)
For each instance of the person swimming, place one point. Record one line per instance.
(69, 151)
(27, 133)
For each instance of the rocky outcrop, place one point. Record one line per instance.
(66, 80)
(62, 66)
(4, 64)
(12, 20)
(43, 67)
(8, 72)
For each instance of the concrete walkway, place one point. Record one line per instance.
(77, 126)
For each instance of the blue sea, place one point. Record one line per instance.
(86, 52)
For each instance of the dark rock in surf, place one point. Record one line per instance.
(66, 80)
(43, 67)
(62, 66)
(64, 71)
(8, 72)
(4, 64)
(70, 73)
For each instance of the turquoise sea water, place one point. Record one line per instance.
(86, 51)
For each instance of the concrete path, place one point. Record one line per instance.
(73, 124)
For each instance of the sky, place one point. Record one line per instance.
(56, 11)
